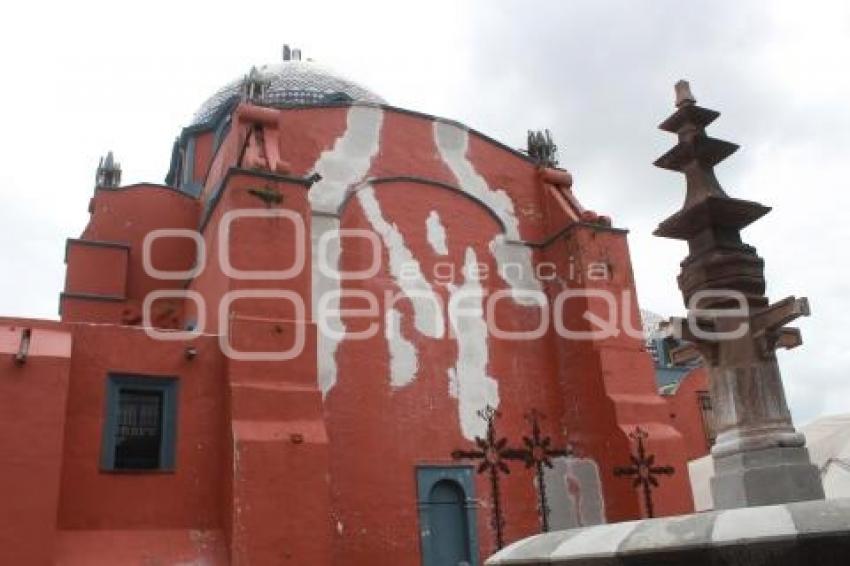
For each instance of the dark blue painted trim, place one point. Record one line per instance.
(213, 123)
(220, 133)
(187, 173)
(189, 185)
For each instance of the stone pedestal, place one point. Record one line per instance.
(765, 477)
(759, 458)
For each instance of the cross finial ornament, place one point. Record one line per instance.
(643, 469)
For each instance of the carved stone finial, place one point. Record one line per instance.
(684, 97)
(542, 148)
(108, 174)
(696, 153)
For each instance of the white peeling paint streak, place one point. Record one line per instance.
(326, 344)
(453, 143)
(468, 380)
(515, 265)
(436, 233)
(341, 167)
(405, 269)
(349, 160)
(403, 360)
(513, 259)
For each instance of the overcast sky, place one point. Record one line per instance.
(82, 78)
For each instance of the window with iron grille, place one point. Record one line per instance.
(140, 423)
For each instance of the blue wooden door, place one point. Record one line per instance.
(447, 516)
(448, 524)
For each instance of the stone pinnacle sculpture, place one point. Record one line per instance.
(108, 175)
(759, 458)
(770, 508)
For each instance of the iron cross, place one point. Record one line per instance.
(538, 453)
(492, 452)
(643, 469)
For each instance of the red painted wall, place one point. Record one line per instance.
(127, 215)
(32, 420)
(685, 412)
(609, 384)
(96, 268)
(188, 498)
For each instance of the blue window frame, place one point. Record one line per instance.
(447, 522)
(140, 423)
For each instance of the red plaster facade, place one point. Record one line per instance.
(313, 459)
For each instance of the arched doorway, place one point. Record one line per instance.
(447, 516)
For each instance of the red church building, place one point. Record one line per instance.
(341, 333)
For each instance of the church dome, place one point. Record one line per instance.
(290, 83)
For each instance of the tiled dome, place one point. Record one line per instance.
(290, 83)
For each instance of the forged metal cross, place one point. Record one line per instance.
(643, 469)
(492, 452)
(538, 453)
